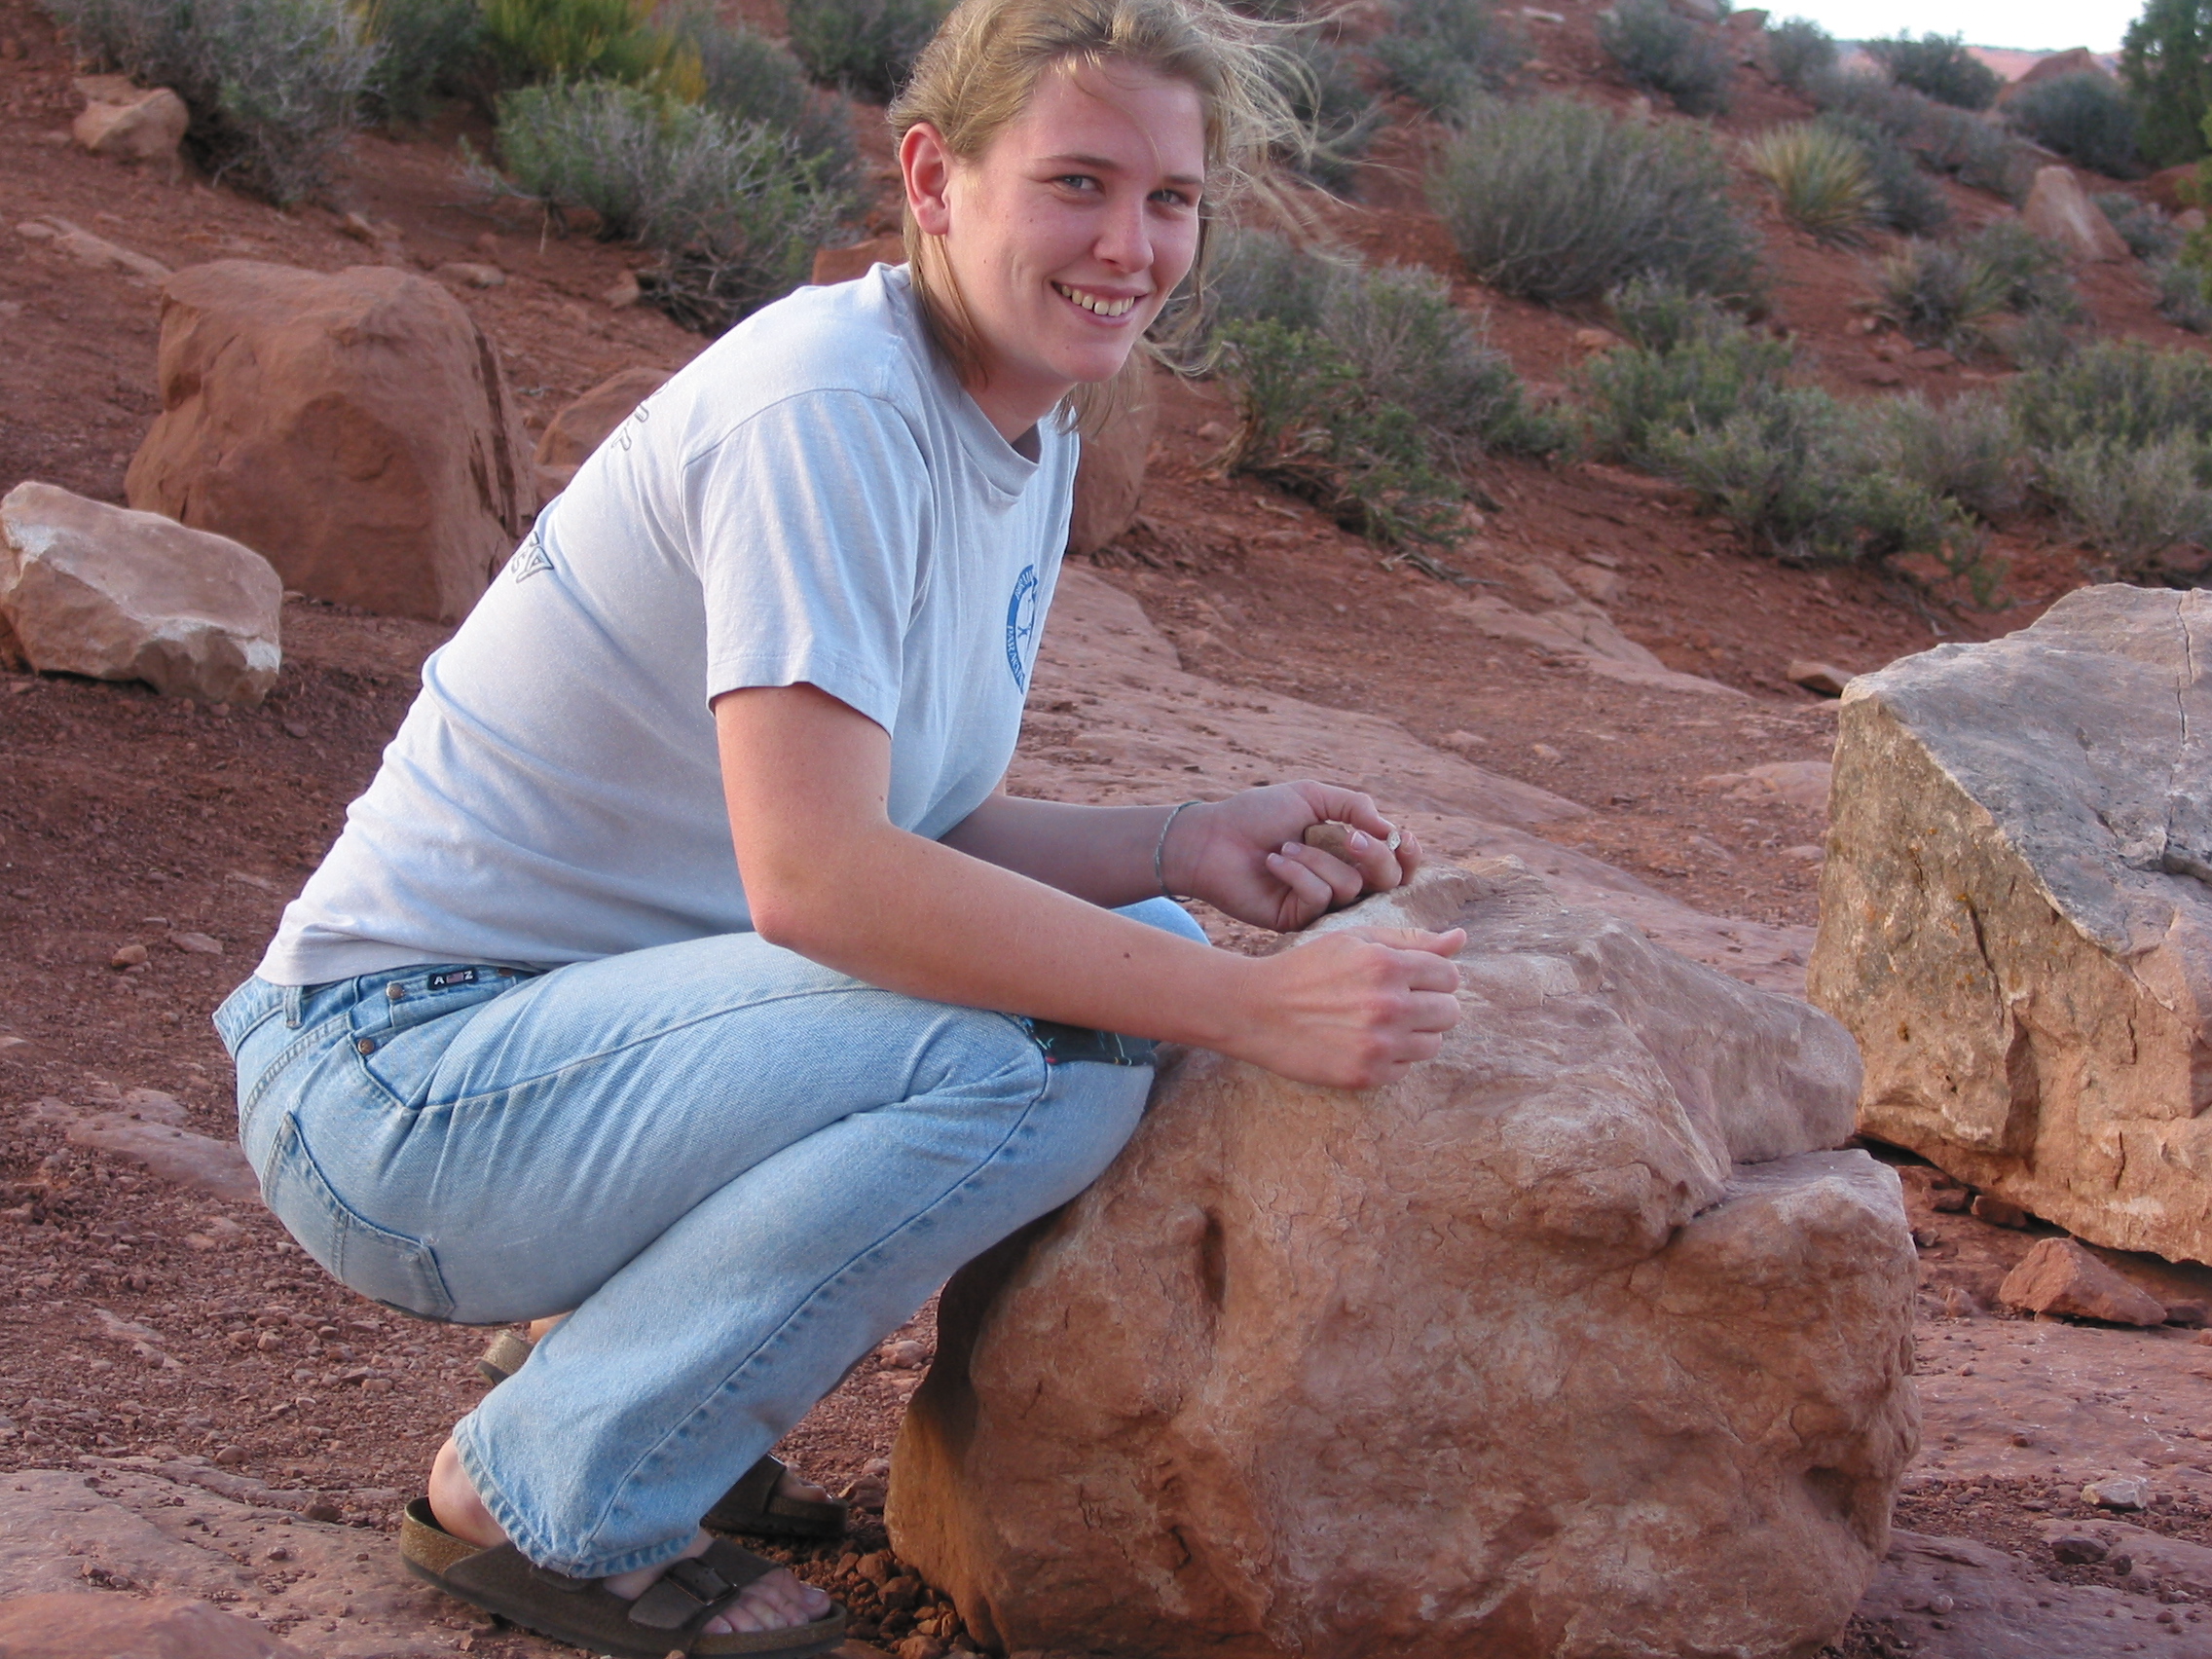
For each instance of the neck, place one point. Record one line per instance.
(1014, 411)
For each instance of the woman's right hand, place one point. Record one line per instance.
(1350, 1010)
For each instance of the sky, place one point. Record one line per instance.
(2050, 25)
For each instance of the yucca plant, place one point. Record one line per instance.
(1822, 177)
(1940, 296)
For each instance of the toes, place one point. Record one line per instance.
(795, 1486)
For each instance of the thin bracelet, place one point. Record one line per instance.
(1160, 847)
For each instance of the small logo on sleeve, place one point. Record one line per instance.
(1021, 626)
(529, 558)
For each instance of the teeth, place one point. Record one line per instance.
(1093, 302)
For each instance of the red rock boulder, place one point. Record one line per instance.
(1109, 479)
(97, 1625)
(582, 426)
(354, 428)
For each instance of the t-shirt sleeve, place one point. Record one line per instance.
(807, 522)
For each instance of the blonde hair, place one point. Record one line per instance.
(977, 76)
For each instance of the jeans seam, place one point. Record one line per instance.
(829, 1286)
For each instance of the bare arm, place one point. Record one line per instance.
(829, 875)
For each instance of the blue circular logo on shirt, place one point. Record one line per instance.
(1021, 625)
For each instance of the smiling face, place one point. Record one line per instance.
(1066, 235)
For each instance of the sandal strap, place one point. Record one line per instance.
(692, 1591)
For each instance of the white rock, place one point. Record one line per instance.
(2119, 1492)
(129, 122)
(102, 591)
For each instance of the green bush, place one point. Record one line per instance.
(424, 48)
(1363, 388)
(1905, 199)
(2167, 62)
(1798, 48)
(1445, 53)
(1969, 451)
(1661, 317)
(2132, 503)
(2118, 393)
(565, 40)
(2146, 229)
(2084, 117)
(2184, 294)
(747, 77)
(2033, 271)
(731, 206)
(1939, 295)
(1338, 112)
(1941, 67)
(1667, 53)
(273, 86)
(1702, 367)
(1558, 201)
(1821, 176)
(863, 47)
(1788, 473)
(1976, 151)
(2037, 341)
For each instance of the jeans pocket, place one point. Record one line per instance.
(252, 1005)
(386, 1267)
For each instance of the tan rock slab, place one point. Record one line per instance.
(88, 249)
(104, 1625)
(2017, 913)
(1109, 475)
(128, 123)
(2059, 211)
(1816, 677)
(2059, 1277)
(93, 589)
(1520, 1355)
(354, 427)
(582, 424)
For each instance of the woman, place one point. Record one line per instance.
(659, 975)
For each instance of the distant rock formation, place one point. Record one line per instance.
(1576, 1342)
(2017, 913)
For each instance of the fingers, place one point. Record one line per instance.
(1317, 878)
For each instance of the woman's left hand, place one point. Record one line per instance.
(1246, 856)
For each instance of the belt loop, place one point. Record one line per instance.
(293, 997)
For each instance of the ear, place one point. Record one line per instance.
(926, 166)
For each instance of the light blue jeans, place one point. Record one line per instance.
(739, 1168)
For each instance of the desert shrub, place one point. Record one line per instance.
(747, 77)
(563, 40)
(1789, 472)
(1445, 53)
(1799, 49)
(2120, 393)
(2085, 117)
(275, 86)
(863, 47)
(1338, 114)
(424, 48)
(1702, 367)
(2184, 294)
(2142, 225)
(2167, 62)
(731, 206)
(1905, 199)
(1940, 295)
(1941, 67)
(1821, 176)
(2033, 271)
(1953, 141)
(1660, 317)
(1364, 389)
(1969, 451)
(1558, 201)
(1665, 53)
(2037, 341)
(2132, 501)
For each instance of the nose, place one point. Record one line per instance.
(1124, 239)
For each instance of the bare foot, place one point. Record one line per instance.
(777, 1601)
(793, 1484)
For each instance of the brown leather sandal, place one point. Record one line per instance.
(753, 1506)
(669, 1618)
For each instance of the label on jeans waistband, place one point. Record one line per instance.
(453, 977)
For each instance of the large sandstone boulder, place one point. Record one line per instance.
(354, 427)
(91, 589)
(582, 426)
(129, 122)
(1576, 1342)
(1109, 477)
(2059, 211)
(2015, 916)
(104, 1625)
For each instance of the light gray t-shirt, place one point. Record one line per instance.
(814, 499)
